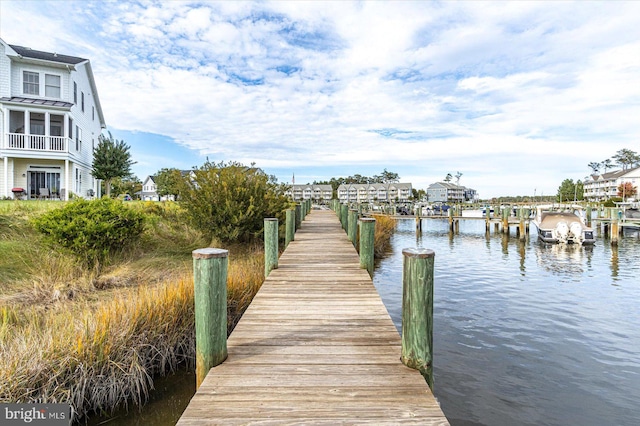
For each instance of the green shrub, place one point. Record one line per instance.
(611, 202)
(92, 230)
(229, 201)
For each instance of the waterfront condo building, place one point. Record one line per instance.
(50, 121)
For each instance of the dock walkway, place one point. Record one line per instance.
(316, 346)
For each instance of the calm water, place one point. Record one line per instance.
(526, 333)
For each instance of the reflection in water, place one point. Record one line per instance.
(527, 333)
(614, 261)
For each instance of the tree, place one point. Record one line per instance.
(458, 176)
(126, 185)
(111, 159)
(418, 194)
(627, 190)
(607, 164)
(595, 167)
(568, 191)
(169, 182)
(448, 177)
(386, 177)
(626, 158)
(229, 201)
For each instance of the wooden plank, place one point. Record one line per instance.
(316, 346)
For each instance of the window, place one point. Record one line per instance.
(75, 93)
(70, 128)
(93, 113)
(30, 83)
(78, 181)
(52, 86)
(78, 139)
(82, 100)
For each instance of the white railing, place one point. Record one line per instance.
(36, 142)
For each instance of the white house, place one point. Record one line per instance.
(50, 121)
(149, 191)
(370, 192)
(605, 186)
(310, 192)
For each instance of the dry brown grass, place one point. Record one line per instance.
(385, 227)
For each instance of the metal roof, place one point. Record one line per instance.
(36, 101)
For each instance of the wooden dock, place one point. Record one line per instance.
(316, 346)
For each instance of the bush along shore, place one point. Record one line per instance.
(92, 327)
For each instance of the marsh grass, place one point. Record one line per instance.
(385, 227)
(96, 342)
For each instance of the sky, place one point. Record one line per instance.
(515, 96)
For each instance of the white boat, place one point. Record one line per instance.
(563, 225)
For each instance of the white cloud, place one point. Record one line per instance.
(463, 86)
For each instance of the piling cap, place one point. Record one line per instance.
(420, 253)
(209, 253)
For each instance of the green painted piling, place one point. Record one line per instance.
(417, 311)
(352, 226)
(290, 226)
(270, 245)
(344, 209)
(298, 216)
(367, 238)
(210, 296)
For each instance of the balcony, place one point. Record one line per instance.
(39, 143)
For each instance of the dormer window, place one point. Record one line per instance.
(30, 83)
(52, 86)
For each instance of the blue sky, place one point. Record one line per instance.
(516, 96)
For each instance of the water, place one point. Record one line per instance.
(527, 333)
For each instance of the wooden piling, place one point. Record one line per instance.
(352, 226)
(505, 220)
(615, 224)
(450, 212)
(290, 226)
(487, 218)
(210, 295)
(367, 237)
(344, 216)
(270, 245)
(417, 311)
(298, 216)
